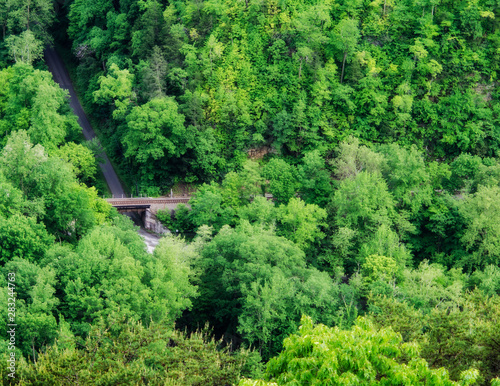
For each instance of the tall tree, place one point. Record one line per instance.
(363, 355)
(345, 38)
(156, 134)
(25, 48)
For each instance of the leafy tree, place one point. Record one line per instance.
(430, 285)
(25, 48)
(378, 267)
(406, 176)
(318, 354)
(386, 242)
(12, 201)
(315, 185)
(456, 336)
(150, 29)
(19, 159)
(207, 208)
(172, 357)
(466, 173)
(345, 39)
(169, 276)
(257, 284)
(352, 159)
(282, 180)
(156, 134)
(76, 211)
(362, 205)
(116, 87)
(23, 237)
(488, 280)
(32, 15)
(153, 76)
(83, 17)
(239, 188)
(32, 101)
(102, 279)
(110, 276)
(260, 210)
(300, 222)
(481, 236)
(81, 159)
(182, 221)
(35, 305)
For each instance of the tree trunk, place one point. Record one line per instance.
(343, 67)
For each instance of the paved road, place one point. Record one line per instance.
(61, 76)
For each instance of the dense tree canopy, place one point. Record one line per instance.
(342, 161)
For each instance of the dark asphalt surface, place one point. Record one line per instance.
(61, 76)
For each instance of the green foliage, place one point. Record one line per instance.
(182, 220)
(282, 178)
(300, 222)
(117, 88)
(156, 134)
(482, 229)
(35, 305)
(169, 275)
(345, 39)
(455, 336)
(110, 276)
(165, 217)
(207, 208)
(32, 101)
(352, 159)
(81, 159)
(156, 354)
(375, 126)
(239, 188)
(260, 210)
(67, 208)
(35, 15)
(297, 77)
(378, 267)
(318, 354)
(257, 283)
(23, 237)
(362, 213)
(488, 281)
(25, 48)
(315, 185)
(430, 285)
(406, 176)
(362, 203)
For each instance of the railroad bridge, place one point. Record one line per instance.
(146, 208)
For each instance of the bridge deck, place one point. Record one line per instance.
(147, 201)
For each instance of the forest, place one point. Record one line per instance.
(344, 226)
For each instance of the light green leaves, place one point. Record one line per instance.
(25, 48)
(116, 87)
(156, 132)
(318, 355)
(481, 212)
(301, 222)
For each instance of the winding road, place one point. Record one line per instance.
(61, 76)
